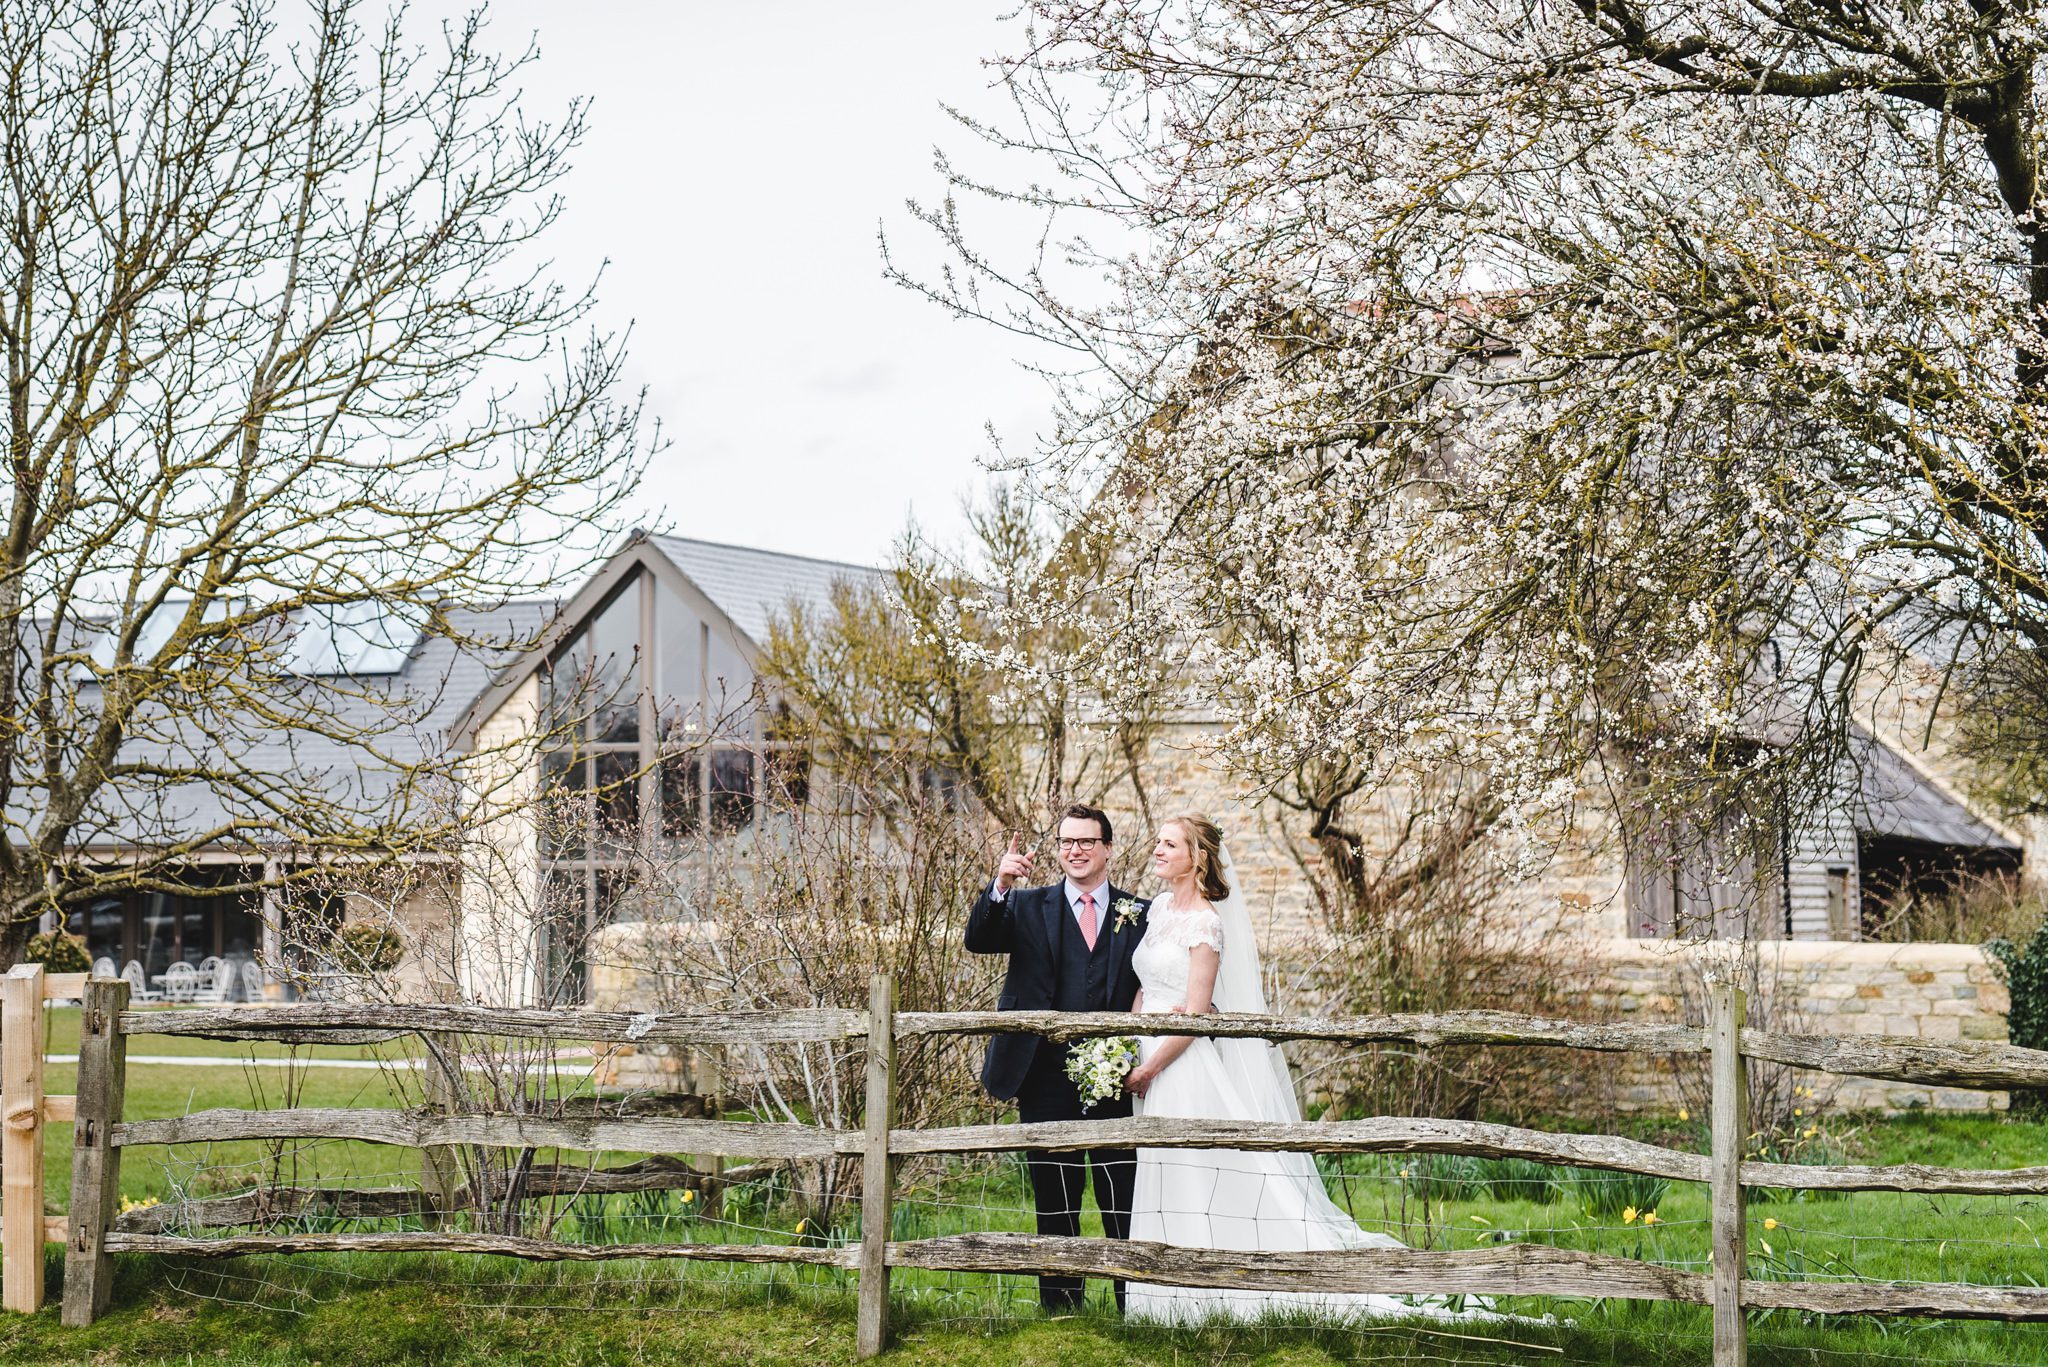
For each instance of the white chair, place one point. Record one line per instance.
(209, 964)
(216, 984)
(139, 991)
(181, 980)
(103, 967)
(253, 985)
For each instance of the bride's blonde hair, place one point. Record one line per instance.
(1206, 840)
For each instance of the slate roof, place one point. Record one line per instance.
(754, 586)
(404, 716)
(1897, 800)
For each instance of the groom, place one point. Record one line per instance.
(1070, 946)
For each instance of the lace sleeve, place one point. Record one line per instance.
(1198, 928)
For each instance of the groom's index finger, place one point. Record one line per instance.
(1013, 843)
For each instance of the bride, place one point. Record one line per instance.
(1198, 954)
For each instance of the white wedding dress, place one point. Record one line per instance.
(1228, 1198)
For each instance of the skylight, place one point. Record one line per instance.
(366, 637)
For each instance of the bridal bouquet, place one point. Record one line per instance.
(1098, 1067)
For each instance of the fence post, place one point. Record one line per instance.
(21, 1143)
(440, 1164)
(877, 1182)
(95, 1162)
(1726, 1008)
(707, 1074)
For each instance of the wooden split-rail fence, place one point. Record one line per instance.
(93, 1233)
(24, 1109)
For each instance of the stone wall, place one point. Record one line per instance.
(1177, 775)
(1576, 890)
(1927, 991)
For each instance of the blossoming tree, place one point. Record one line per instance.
(1502, 388)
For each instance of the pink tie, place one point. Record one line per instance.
(1088, 918)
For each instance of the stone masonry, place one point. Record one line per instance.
(1923, 991)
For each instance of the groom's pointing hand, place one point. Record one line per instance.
(1016, 865)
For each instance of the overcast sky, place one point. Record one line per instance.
(738, 160)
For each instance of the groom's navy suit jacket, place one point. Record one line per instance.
(1051, 968)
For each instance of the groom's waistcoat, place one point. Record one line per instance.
(1082, 982)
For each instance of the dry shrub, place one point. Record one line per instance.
(1784, 1101)
(389, 933)
(801, 913)
(1972, 909)
(1418, 915)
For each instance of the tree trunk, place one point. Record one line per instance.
(14, 938)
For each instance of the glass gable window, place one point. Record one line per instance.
(732, 790)
(678, 659)
(651, 739)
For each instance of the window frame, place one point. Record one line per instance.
(669, 712)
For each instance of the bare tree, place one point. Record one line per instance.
(269, 291)
(947, 669)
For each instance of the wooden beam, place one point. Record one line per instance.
(1503, 1270)
(504, 1245)
(1380, 1134)
(21, 1139)
(69, 986)
(1451, 1027)
(60, 1110)
(1506, 1270)
(612, 1027)
(545, 1180)
(1980, 1064)
(441, 1166)
(95, 1162)
(1898, 1177)
(1728, 1133)
(1953, 1063)
(1385, 1134)
(1922, 1300)
(495, 1129)
(877, 1181)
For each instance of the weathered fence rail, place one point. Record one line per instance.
(1507, 1270)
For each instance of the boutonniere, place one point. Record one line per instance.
(1126, 911)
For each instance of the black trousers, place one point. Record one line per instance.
(1057, 1179)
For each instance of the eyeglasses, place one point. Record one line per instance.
(1078, 842)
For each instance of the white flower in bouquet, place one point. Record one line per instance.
(1098, 1067)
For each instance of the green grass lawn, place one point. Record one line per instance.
(364, 1309)
(414, 1310)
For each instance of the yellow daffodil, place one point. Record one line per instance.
(801, 1225)
(1811, 1131)
(688, 1197)
(1650, 1219)
(1628, 1217)
(1684, 1114)
(1797, 1111)
(1770, 1223)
